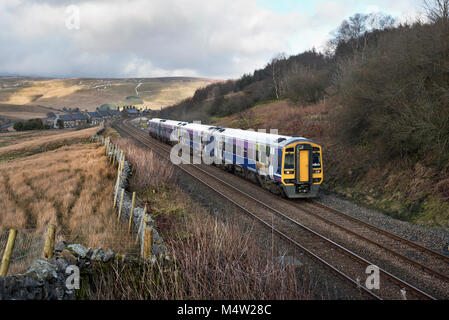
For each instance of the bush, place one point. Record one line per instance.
(395, 95)
(32, 124)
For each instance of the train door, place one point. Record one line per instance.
(304, 169)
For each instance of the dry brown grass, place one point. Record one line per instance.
(285, 116)
(214, 259)
(42, 90)
(149, 171)
(210, 259)
(91, 93)
(24, 112)
(28, 143)
(70, 187)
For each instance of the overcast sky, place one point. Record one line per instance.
(218, 39)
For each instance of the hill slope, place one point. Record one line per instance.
(88, 94)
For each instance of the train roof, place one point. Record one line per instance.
(248, 135)
(199, 127)
(165, 121)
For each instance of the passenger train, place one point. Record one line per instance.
(286, 165)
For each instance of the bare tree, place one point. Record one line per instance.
(354, 31)
(437, 10)
(276, 72)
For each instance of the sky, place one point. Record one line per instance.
(219, 39)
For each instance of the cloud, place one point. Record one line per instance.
(141, 38)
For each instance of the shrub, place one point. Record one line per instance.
(395, 95)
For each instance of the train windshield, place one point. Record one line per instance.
(289, 161)
(316, 162)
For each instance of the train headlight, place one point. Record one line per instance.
(316, 171)
(289, 172)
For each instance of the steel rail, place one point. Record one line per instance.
(380, 230)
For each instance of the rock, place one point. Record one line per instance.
(60, 246)
(89, 253)
(97, 255)
(158, 249)
(109, 256)
(43, 270)
(62, 264)
(78, 250)
(68, 256)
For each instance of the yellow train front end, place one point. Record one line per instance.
(302, 169)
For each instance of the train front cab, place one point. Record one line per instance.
(302, 169)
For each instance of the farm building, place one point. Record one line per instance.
(94, 118)
(104, 114)
(130, 112)
(115, 113)
(80, 119)
(64, 121)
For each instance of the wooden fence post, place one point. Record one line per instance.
(112, 153)
(147, 242)
(50, 242)
(107, 146)
(121, 204)
(116, 191)
(131, 213)
(8, 251)
(143, 223)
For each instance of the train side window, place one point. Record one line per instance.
(251, 154)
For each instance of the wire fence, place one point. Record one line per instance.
(29, 244)
(27, 248)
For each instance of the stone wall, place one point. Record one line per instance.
(46, 279)
(138, 213)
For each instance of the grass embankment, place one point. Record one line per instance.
(408, 189)
(70, 186)
(214, 259)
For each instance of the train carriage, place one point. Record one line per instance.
(286, 165)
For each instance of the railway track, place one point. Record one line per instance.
(344, 262)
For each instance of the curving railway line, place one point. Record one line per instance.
(343, 244)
